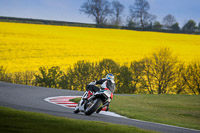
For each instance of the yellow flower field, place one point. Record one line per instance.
(29, 46)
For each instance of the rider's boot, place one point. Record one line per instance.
(105, 108)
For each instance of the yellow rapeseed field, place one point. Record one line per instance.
(29, 46)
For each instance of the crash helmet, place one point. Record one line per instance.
(110, 76)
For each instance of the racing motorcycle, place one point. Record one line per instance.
(96, 102)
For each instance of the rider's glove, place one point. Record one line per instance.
(92, 83)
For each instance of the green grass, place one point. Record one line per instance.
(20, 121)
(178, 110)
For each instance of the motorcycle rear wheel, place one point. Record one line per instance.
(93, 107)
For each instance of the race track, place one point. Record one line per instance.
(30, 98)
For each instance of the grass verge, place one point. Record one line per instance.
(20, 121)
(178, 110)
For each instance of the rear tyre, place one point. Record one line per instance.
(93, 106)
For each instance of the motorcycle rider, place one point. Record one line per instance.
(105, 83)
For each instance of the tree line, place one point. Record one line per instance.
(159, 73)
(104, 12)
(45, 22)
(111, 15)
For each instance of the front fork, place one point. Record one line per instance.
(87, 96)
(82, 101)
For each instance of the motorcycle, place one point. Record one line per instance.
(96, 102)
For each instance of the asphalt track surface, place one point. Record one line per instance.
(31, 98)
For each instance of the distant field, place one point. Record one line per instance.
(29, 46)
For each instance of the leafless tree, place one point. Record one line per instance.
(117, 10)
(192, 77)
(169, 20)
(159, 71)
(99, 10)
(147, 82)
(164, 69)
(139, 12)
(180, 84)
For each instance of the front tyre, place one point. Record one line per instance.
(76, 109)
(92, 106)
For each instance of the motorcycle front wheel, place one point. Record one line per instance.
(76, 109)
(92, 106)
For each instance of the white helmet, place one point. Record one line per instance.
(110, 76)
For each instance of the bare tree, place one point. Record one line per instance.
(169, 20)
(159, 71)
(192, 77)
(164, 69)
(147, 82)
(180, 84)
(117, 10)
(97, 9)
(139, 12)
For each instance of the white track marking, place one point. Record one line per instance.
(111, 114)
(64, 101)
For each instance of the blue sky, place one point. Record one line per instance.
(68, 10)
